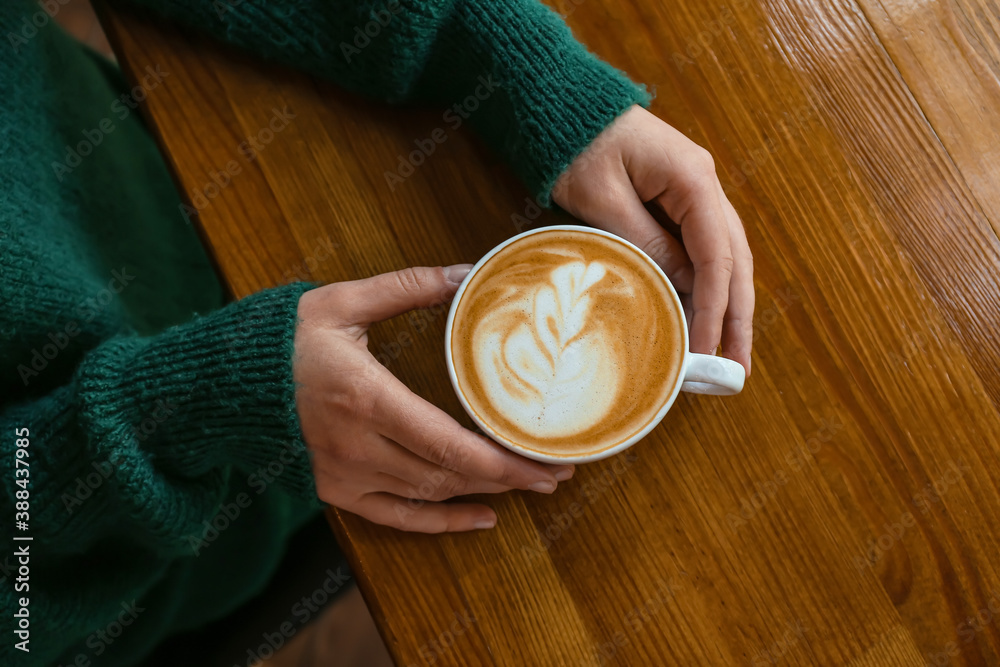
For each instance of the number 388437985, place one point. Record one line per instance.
(22, 472)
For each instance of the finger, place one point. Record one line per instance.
(639, 226)
(389, 294)
(423, 517)
(433, 435)
(737, 327)
(440, 485)
(375, 463)
(418, 478)
(688, 307)
(620, 211)
(696, 207)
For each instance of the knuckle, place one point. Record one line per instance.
(364, 406)
(374, 396)
(657, 248)
(338, 453)
(332, 491)
(436, 526)
(410, 280)
(395, 519)
(444, 452)
(433, 491)
(351, 455)
(456, 485)
(496, 465)
(721, 264)
(702, 162)
(427, 523)
(504, 474)
(437, 494)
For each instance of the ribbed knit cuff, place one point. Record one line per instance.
(210, 393)
(558, 94)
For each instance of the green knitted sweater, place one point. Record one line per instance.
(148, 436)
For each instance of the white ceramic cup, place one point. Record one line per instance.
(700, 373)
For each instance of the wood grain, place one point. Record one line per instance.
(843, 508)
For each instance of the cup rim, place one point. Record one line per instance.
(581, 458)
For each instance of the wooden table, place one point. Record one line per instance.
(844, 508)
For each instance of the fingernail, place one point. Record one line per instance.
(456, 273)
(543, 487)
(563, 473)
(485, 524)
(749, 364)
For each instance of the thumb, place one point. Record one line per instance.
(389, 294)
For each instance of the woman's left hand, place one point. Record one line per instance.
(639, 159)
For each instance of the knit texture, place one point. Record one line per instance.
(148, 424)
(167, 467)
(546, 96)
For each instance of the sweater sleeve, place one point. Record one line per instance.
(147, 429)
(510, 67)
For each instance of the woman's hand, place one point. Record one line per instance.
(379, 450)
(640, 160)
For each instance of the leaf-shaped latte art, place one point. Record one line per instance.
(552, 373)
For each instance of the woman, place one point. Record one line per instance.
(154, 453)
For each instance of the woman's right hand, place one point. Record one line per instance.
(379, 450)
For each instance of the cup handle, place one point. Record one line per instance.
(718, 376)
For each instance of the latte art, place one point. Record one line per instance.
(539, 372)
(566, 343)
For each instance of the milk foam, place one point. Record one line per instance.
(566, 343)
(546, 364)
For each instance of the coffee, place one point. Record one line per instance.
(566, 343)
